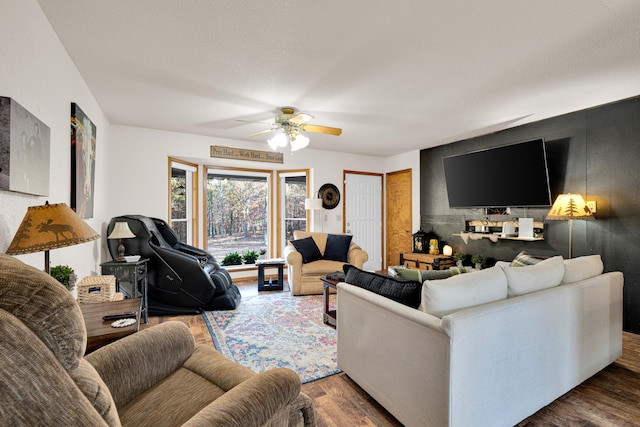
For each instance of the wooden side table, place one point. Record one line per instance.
(270, 285)
(420, 261)
(100, 332)
(330, 316)
(131, 280)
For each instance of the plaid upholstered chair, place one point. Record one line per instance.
(157, 377)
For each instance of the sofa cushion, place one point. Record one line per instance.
(523, 258)
(422, 275)
(576, 269)
(545, 274)
(308, 249)
(320, 267)
(337, 247)
(405, 292)
(440, 297)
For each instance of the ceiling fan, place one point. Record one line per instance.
(289, 124)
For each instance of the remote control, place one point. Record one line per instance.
(123, 315)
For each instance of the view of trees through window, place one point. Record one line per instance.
(179, 203)
(237, 214)
(295, 216)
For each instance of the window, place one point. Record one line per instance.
(182, 194)
(237, 212)
(293, 216)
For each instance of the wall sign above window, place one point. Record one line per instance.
(222, 152)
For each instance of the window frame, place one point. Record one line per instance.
(191, 194)
(233, 171)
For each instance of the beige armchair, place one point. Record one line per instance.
(156, 377)
(304, 278)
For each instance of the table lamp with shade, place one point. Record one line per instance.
(49, 227)
(121, 231)
(568, 207)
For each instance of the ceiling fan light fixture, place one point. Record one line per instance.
(300, 142)
(277, 141)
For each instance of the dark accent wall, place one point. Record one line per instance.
(594, 152)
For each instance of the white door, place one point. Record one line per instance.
(363, 214)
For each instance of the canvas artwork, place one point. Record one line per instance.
(83, 161)
(24, 150)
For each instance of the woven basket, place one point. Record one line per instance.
(98, 289)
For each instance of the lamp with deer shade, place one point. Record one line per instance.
(49, 227)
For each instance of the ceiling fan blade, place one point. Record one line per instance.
(300, 118)
(321, 129)
(263, 122)
(262, 132)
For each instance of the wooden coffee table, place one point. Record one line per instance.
(100, 332)
(329, 317)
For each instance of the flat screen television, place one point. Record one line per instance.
(512, 175)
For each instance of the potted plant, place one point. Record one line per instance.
(234, 258)
(477, 261)
(64, 274)
(459, 257)
(262, 252)
(250, 257)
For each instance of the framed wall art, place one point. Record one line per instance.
(83, 162)
(24, 150)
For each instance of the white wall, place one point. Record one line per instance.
(36, 72)
(140, 184)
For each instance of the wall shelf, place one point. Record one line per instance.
(491, 228)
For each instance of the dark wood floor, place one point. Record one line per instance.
(609, 398)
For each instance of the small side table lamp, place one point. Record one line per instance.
(121, 231)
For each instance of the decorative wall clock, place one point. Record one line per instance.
(330, 196)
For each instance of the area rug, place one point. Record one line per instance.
(277, 330)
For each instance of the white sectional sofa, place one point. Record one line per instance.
(491, 364)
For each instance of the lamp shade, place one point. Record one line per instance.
(299, 142)
(569, 206)
(121, 230)
(48, 227)
(313, 204)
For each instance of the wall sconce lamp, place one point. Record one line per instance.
(568, 207)
(121, 231)
(49, 227)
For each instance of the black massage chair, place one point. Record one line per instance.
(182, 279)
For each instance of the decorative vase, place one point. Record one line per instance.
(459, 263)
(478, 266)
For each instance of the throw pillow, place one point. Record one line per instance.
(422, 275)
(405, 292)
(581, 268)
(523, 258)
(531, 278)
(337, 247)
(308, 249)
(441, 297)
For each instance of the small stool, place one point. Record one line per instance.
(270, 284)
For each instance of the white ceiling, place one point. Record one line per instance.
(395, 76)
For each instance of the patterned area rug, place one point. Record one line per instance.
(277, 330)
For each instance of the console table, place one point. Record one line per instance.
(131, 280)
(420, 261)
